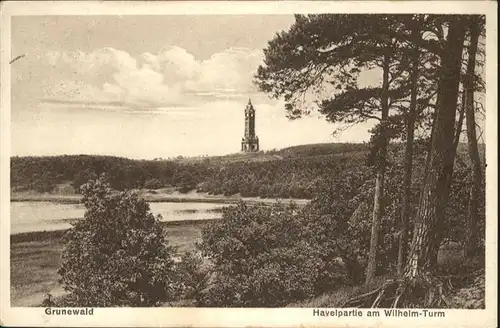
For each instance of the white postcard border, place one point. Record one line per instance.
(225, 317)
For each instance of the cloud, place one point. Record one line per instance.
(145, 85)
(171, 77)
(175, 63)
(107, 75)
(227, 72)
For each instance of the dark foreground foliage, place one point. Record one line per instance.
(117, 255)
(264, 256)
(260, 256)
(274, 256)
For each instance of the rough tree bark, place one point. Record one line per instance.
(435, 191)
(441, 224)
(380, 176)
(408, 165)
(460, 123)
(475, 162)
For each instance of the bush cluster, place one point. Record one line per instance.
(117, 255)
(264, 256)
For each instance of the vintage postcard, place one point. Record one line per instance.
(237, 164)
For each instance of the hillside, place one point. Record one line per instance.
(292, 172)
(273, 155)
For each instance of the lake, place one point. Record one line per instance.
(39, 216)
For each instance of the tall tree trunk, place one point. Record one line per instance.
(435, 190)
(467, 101)
(475, 163)
(441, 224)
(410, 131)
(460, 123)
(433, 128)
(380, 177)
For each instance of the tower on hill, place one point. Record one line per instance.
(250, 142)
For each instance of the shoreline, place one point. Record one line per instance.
(52, 235)
(76, 199)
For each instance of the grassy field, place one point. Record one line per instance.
(33, 271)
(35, 258)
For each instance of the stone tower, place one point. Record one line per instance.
(250, 142)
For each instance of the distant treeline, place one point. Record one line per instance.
(293, 172)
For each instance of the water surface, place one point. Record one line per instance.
(39, 216)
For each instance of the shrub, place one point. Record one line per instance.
(153, 183)
(81, 178)
(193, 277)
(263, 256)
(48, 300)
(117, 255)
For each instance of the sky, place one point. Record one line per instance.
(148, 87)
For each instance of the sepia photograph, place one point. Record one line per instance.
(331, 162)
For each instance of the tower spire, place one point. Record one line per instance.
(249, 105)
(250, 142)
